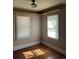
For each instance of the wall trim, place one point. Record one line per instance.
(25, 45)
(58, 10)
(24, 10)
(55, 48)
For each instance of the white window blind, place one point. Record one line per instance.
(52, 26)
(23, 27)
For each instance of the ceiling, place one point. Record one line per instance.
(41, 4)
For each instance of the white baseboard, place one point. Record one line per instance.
(25, 45)
(54, 47)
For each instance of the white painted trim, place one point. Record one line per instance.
(54, 47)
(51, 12)
(25, 45)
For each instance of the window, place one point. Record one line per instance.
(22, 27)
(52, 26)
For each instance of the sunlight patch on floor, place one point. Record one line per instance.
(28, 54)
(32, 53)
(38, 52)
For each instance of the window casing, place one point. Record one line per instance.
(52, 26)
(23, 27)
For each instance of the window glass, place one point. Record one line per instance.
(23, 26)
(52, 26)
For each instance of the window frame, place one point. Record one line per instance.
(16, 26)
(51, 14)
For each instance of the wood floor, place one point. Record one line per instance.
(37, 52)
